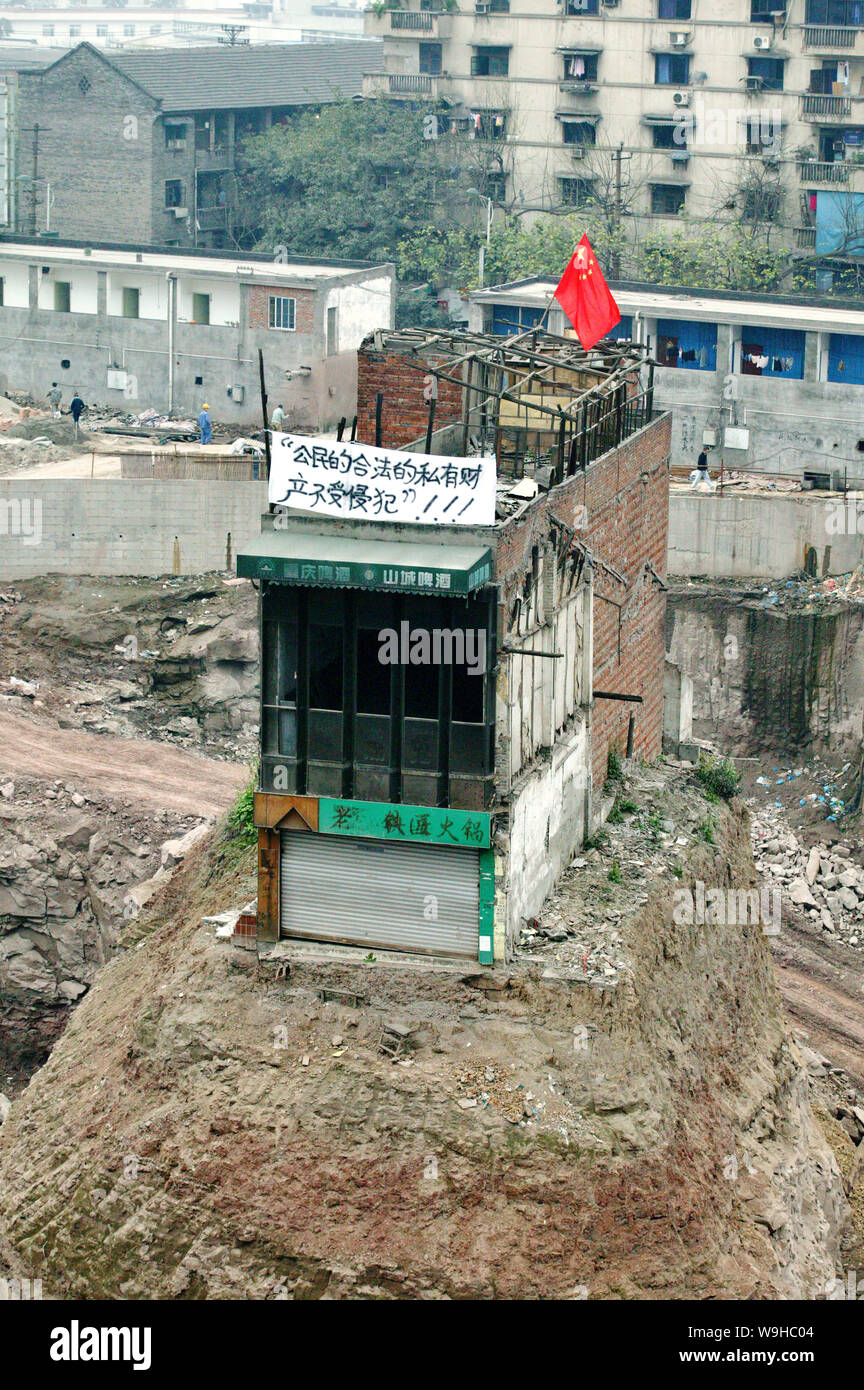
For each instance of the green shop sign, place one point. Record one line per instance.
(429, 825)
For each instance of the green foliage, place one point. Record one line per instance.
(614, 874)
(622, 808)
(677, 871)
(614, 771)
(240, 817)
(351, 180)
(718, 775)
(595, 841)
(705, 831)
(716, 258)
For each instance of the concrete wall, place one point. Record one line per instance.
(749, 536)
(547, 825)
(119, 526)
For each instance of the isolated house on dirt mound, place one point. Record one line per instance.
(425, 798)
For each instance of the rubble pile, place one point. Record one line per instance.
(823, 881)
(656, 815)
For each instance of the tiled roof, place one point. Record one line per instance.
(285, 74)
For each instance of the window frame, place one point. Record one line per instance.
(273, 313)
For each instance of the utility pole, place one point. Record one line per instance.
(33, 188)
(616, 249)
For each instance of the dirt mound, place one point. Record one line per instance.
(204, 1129)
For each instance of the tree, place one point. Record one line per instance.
(711, 258)
(352, 180)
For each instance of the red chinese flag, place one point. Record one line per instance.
(586, 298)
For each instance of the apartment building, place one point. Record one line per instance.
(772, 383)
(159, 26)
(132, 328)
(728, 110)
(142, 147)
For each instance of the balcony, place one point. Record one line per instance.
(578, 87)
(410, 85)
(212, 219)
(827, 36)
(405, 24)
(816, 107)
(813, 171)
(805, 238)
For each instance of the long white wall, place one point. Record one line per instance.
(762, 537)
(124, 526)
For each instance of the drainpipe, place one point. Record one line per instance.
(172, 315)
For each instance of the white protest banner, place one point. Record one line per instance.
(331, 479)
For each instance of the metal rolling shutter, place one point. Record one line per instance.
(371, 893)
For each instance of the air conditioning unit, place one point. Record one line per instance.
(681, 98)
(762, 41)
(180, 213)
(679, 38)
(577, 152)
(481, 7)
(753, 84)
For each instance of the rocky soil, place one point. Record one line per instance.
(207, 1128)
(174, 659)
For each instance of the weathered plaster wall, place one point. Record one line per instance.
(772, 677)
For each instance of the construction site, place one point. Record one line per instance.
(326, 978)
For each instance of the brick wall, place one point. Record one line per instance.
(405, 414)
(259, 306)
(626, 498)
(95, 147)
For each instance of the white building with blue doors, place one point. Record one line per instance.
(773, 383)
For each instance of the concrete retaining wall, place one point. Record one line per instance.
(124, 526)
(762, 537)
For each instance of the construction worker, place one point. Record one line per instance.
(205, 424)
(277, 419)
(54, 397)
(700, 474)
(76, 409)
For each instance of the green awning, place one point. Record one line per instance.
(408, 567)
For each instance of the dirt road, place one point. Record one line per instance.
(135, 770)
(823, 987)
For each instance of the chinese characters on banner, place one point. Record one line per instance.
(324, 477)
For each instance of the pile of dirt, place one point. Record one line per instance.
(206, 1129)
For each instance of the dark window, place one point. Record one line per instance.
(580, 67)
(576, 192)
(672, 136)
(769, 69)
(764, 9)
(344, 723)
(325, 667)
(581, 6)
(373, 677)
(62, 296)
(173, 193)
(844, 14)
(2, 284)
(674, 9)
(131, 300)
(490, 62)
(175, 137)
(671, 69)
(430, 58)
(578, 132)
(667, 199)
